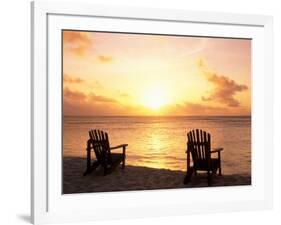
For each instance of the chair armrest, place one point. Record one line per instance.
(119, 146)
(216, 150)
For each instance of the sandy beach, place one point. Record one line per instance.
(136, 178)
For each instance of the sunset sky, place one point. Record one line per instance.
(133, 74)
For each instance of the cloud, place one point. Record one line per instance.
(104, 59)
(73, 95)
(95, 84)
(225, 88)
(189, 108)
(77, 42)
(199, 109)
(194, 109)
(100, 98)
(70, 79)
(124, 95)
(79, 103)
(80, 96)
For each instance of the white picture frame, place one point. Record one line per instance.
(49, 205)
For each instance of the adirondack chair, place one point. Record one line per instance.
(99, 143)
(199, 147)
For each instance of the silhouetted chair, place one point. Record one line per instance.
(199, 147)
(100, 144)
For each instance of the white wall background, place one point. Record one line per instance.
(15, 109)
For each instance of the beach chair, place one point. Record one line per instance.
(199, 147)
(99, 143)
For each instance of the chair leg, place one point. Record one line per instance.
(124, 157)
(88, 170)
(219, 156)
(123, 163)
(105, 171)
(215, 171)
(188, 175)
(209, 178)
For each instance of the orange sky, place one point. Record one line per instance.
(131, 74)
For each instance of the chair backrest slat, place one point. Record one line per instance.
(204, 140)
(91, 134)
(100, 145)
(203, 146)
(199, 144)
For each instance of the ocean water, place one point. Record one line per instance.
(160, 142)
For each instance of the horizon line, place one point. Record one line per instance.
(157, 116)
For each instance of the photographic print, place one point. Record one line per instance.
(154, 111)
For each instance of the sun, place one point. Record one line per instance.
(155, 98)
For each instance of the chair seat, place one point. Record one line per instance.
(202, 164)
(116, 156)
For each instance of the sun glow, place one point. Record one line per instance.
(155, 98)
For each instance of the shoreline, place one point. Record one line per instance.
(134, 178)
